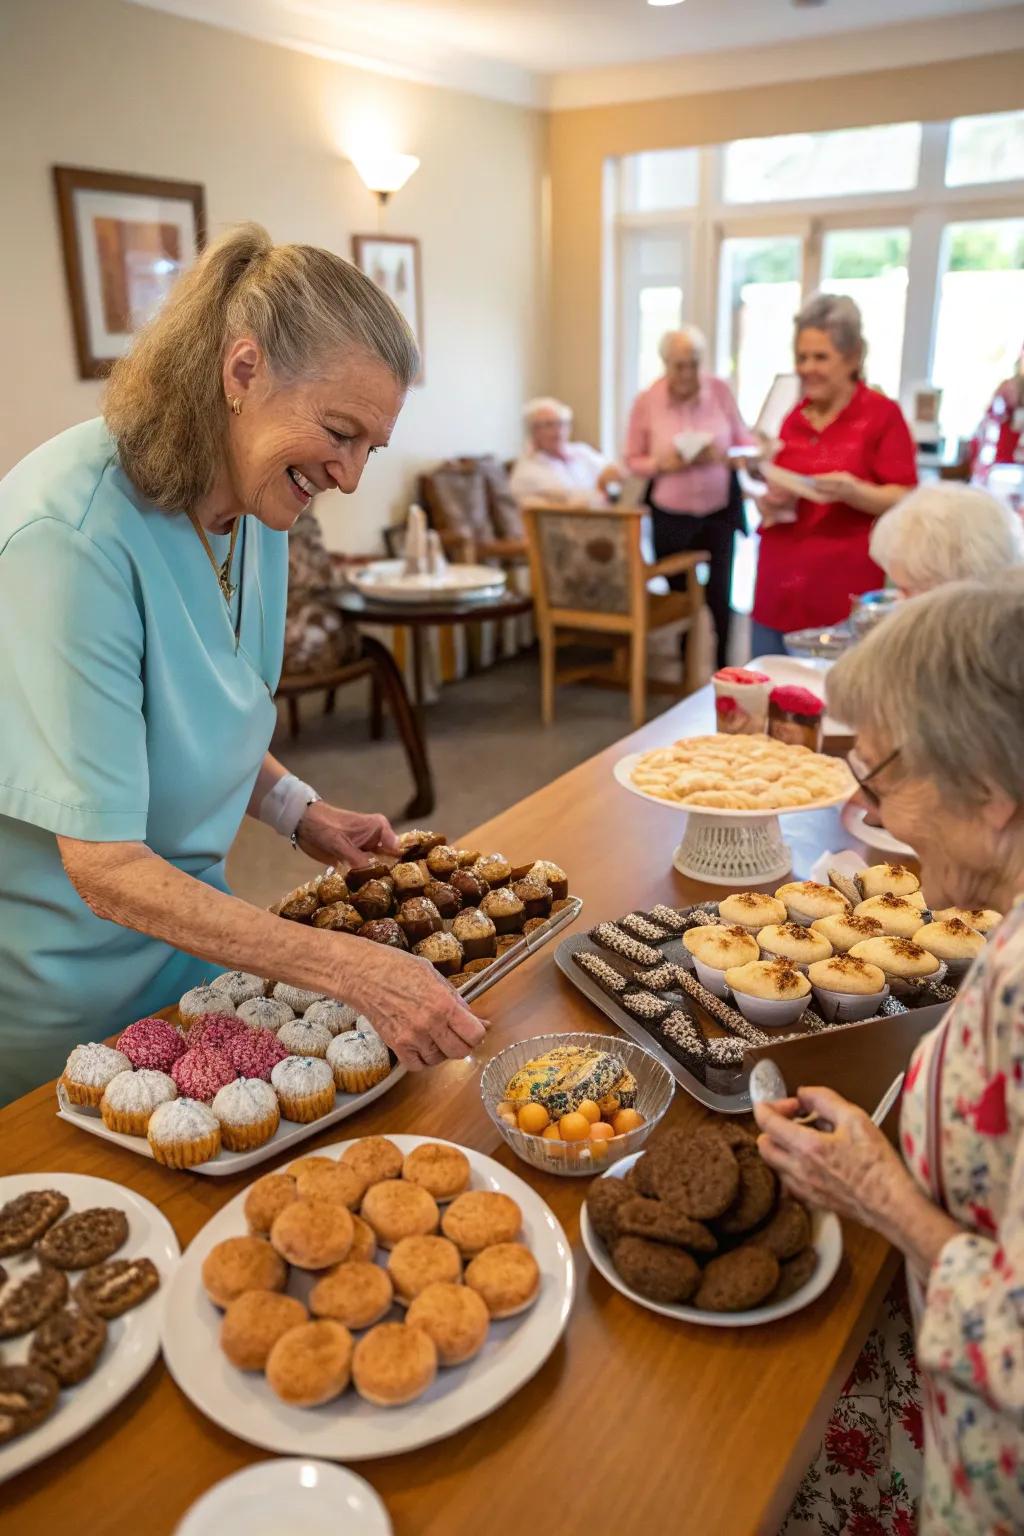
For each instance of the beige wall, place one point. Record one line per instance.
(113, 86)
(582, 139)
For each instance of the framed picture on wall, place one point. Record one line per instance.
(393, 262)
(126, 239)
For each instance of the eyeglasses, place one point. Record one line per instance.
(863, 774)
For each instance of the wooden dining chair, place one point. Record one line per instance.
(591, 579)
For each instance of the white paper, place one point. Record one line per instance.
(689, 444)
(846, 862)
(793, 484)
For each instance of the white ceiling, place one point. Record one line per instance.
(514, 48)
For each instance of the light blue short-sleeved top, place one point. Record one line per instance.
(133, 707)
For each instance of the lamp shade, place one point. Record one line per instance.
(382, 170)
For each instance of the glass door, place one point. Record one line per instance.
(870, 267)
(980, 318)
(655, 270)
(759, 287)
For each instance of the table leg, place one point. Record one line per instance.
(417, 667)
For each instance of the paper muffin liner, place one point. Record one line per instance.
(244, 1138)
(848, 1007)
(86, 1095)
(185, 1154)
(711, 978)
(130, 1122)
(771, 1012)
(904, 986)
(356, 1080)
(304, 1107)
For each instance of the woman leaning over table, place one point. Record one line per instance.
(856, 445)
(143, 573)
(936, 696)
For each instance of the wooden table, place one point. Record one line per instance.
(636, 1423)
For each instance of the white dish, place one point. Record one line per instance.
(350, 1429)
(133, 1340)
(387, 580)
(315, 1497)
(792, 672)
(623, 771)
(827, 1239)
(288, 1134)
(853, 818)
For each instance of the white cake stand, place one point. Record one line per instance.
(725, 847)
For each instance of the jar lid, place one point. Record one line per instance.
(740, 675)
(796, 701)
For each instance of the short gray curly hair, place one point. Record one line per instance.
(942, 678)
(840, 319)
(943, 533)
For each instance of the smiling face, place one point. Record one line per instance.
(292, 440)
(682, 369)
(825, 372)
(549, 432)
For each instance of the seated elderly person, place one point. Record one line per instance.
(943, 533)
(935, 695)
(551, 468)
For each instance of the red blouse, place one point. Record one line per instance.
(809, 570)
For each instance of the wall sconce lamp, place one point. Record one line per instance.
(383, 171)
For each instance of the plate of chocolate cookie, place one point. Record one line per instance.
(697, 1228)
(367, 1300)
(81, 1263)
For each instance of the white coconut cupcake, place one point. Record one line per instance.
(89, 1069)
(130, 1098)
(182, 1133)
(333, 1016)
(302, 1038)
(240, 986)
(265, 1013)
(358, 1059)
(304, 1086)
(297, 998)
(248, 1112)
(200, 1000)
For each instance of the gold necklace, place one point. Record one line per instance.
(222, 572)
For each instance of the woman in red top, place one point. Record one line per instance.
(856, 445)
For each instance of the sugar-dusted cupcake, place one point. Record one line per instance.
(333, 1016)
(255, 1053)
(793, 942)
(182, 1133)
(410, 880)
(89, 1069)
(130, 1098)
(846, 929)
(301, 1038)
(476, 933)
(493, 869)
(444, 952)
(298, 999)
(806, 899)
(552, 876)
(358, 1059)
(152, 1043)
(504, 909)
(888, 879)
(248, 1112)
(897, 914)
(266, 1012)
(305, 1087)
(752, 910)
(200, 1000)
(239, 986)
(201, 1072)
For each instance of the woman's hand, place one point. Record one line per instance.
(333, 836)
(851, 1169)
(774, 507)
(413, 1009)
(670, 462)
(840, 485)
(710, 454)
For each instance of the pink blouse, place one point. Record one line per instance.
(654, 423)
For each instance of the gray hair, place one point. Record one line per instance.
(558, 408)
(691, 334)
(943, 533)
(839, 318)
(942, 678)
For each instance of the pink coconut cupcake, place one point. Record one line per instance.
(255, 1053)
(214, 1030)
(202, 1072)
(152, 1043)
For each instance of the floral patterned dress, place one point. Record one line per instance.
(962, 1119)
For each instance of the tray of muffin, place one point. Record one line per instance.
(700, 985)
(475, 916)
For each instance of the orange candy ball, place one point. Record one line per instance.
(551, 1133)
(601, 1131)
(574, 1127)
(589, 1110)
(627, 1120)
(533, 1118)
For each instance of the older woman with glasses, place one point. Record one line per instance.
(936, 696)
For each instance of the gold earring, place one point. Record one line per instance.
(236, 404)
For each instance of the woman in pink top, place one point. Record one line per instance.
(689, 496)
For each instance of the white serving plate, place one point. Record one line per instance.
(350, 1429)
(288, 1134)
(314, 1497)
(387, 581)
(854, 820)
(133, 1340)
(792, 672)
(623, 770)
(827, 1239)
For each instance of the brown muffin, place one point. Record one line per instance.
(362, 874)
(655, 1270)
(444, 952)
(476, 933)
(310, 1364)
(445, 898)
(332, 888)
(493, 869)
(384, 930)
(254, 1322)
(340, 916)
(504, 909)
(469, 886)
(242, 1264)
(535, 896)
(738, 1280)
(374, 899)
(442, 861)
(418, 918)
(410, 880)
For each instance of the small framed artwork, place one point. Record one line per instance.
(393, 262)
(126, 239)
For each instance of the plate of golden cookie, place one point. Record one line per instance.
(402, 1287)
(736, 776)
(697, 1228)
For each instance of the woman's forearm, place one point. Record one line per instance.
(877, 499)
(915, 1225)
(127, 883)
(270, 772)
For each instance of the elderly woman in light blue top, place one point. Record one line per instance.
(143, 574)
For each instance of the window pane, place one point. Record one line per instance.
(870, 267)
(759, 293)
(981, 318)
(799, 165)
(661, 178)
(661, 310)
(985, 149)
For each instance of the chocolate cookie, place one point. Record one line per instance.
(729, 1131)
(69, 1344)
(787, 1233)
(24, 1219)
(700, 1174)
(738, 1280)
(117, 1286)
(656, 1270)
(86, 1238)
(795, 1273)
(755, 1197)
(28, 1301)
(604, 1200)
(27, 1397)
(663, 1221)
